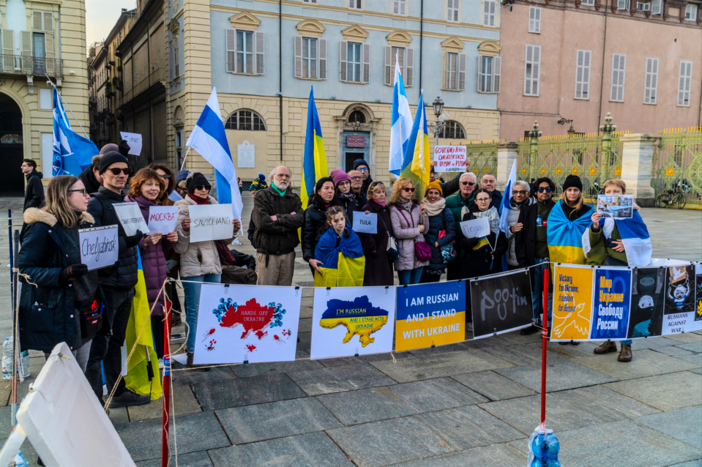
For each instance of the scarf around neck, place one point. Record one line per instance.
(405, 204)
(434, 209)
(199, 201)
(226, 258)
(281, 193)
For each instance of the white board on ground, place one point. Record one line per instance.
(211, 222)
(99, 246)
(352, 320)
(130, 217)
(240, 323)
(476, 228)
(163, 219)
(134, 141)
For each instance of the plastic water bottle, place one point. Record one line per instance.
(20, 460)
(24, 364)
(539, 221)
(7, 358)
(543, 449)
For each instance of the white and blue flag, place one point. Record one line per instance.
(72, 152)
(208, 139)
(506, 197)
(401, 123)
(635, 238)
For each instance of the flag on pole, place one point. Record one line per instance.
(401, 122)
(72, 152)
(506, 197)
(416, 164)
(208, 139)
(314, 164)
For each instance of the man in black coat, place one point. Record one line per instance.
(34, 193)
(118, 287)
(91, 176)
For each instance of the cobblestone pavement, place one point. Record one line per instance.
(469, 404)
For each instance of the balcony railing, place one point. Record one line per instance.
(26, 65)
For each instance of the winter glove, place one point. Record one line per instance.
(134, 239)
(124, 148)
(73, 272)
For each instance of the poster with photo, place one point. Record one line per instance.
(679, 312)
(616, 206)
(572, 303)
(647, 302)
(501, 303)
(612, 303)
(698, 280)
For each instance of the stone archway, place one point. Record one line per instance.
(12, 146)
(368, 125)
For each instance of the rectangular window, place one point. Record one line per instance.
(452, 7)
(532, 65)
(489, 7)
(618, 74)
(643, 6)
(535, 20)
(582, 75)
(399, 7)
(179, 146)
(656, 7)
(489, 74)
(353, 62)
(356, 4)
(691, 12)
(43, 21)
(451, 71)
(684, 83)
(310, 1)
(651, 81)
(309, 57)
(588, 2)
(244, 52)
(176, 57)
(623, 5)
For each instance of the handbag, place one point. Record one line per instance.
(391, 248)
(422, 250)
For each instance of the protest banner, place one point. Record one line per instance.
(130, 217)
(430, 314)
(211, 222)
(616, 206)
(349, 321)
(647, 301)
(163, 219)
(476, 228)
(365, 223)
(572, 302)
(698, 280)
(240, 323)
(501, 303)
(450, 158)
(99, 246)
(612, 304)
(679, 311)
(134, 141)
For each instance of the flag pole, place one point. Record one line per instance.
(185, 158)
(65, 103)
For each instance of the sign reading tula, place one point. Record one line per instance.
(99, 246)
(501, 303)
(211, 222)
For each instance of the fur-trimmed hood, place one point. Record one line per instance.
(34, 215)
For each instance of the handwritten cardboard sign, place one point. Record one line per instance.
(211, 222)
(99, 246)
(130, 217)
(450, 158)
(163, 219)
(134, 142)
(476, 228)
(365, 223)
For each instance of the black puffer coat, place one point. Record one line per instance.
(442, 221)
(315, 226)
(277, 237)
(480, 262)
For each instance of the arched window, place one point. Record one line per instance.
(357, 117)
(453, 130)
(245, 120)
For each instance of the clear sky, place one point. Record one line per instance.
(101, 15)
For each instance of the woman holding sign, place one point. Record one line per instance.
(409, 221)
(441, 234)
(375, 246)
(146, 189)
(61, 305)
(199, 261)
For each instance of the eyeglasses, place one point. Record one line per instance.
(482, 200)
(520, 192)
(357, 177)
(202, 187)
(468, 183)
(165, 176)
(547, 189)
(362, 169)
(408, 190)
(82, 191)
(116, 172)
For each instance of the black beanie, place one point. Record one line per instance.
(359, 162)
(110, 158)
(572, 181)
(196, 179)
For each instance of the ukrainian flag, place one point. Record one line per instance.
(416, 164)
(343, 265)
(314, 165)
(565, 236)
(137, 378)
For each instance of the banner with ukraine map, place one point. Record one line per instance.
(350, 321)
(430, 314)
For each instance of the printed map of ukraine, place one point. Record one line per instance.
(359, 317)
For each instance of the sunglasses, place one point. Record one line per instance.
(468, 183)
(547, 189)
(202, 187)
(408, 190)
(82, 191)
(362, 169)
(165, 176)
(520, 192)
(117, 171)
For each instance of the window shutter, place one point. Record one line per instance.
(231, 50)
(462, 72)
(445, 70)
(343, 50)
(322, 70)
(480, 72)
(176, 56)
(388, 66)
(409, 67)
(49, 52)
(48, 21)
(37, 21)
(537, 20)
(8, 45)
(27, 43)
(366, 63)
(258, 44)
(586, 75)
(496, 74)
(171, 60)
(298, 56)
(654, 80)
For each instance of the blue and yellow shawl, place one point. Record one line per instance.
(343, 265)
(565, 236)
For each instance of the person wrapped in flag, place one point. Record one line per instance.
(340, 253)
(617, 242)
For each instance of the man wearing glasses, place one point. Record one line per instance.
(362, 166)
(489, 183)
(360, 197)
(117, 288)
(464, 197)
(531, 242)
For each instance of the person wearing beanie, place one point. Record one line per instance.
(258, 184)
(440, 235)
(344, 194)
(109, 147)
(114, 160)
(363, 167)
(360, 196)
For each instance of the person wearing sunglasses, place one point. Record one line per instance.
(409, 221)
(467, 183)
(519, 201)
(117, 285)
(531, 244)
(362, 166)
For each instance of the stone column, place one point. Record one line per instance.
(506, 156)
(637, 162)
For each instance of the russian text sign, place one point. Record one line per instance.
(130, 217)
(612, 304)
(163, 219)
(476, 228)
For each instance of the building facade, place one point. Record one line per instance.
(265, 58)
(38, 39)
(574, 62)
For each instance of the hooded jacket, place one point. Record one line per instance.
(88, 178)
(34, 193)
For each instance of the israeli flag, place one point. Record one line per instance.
(208, 139)
(401, 122)
(506, 197)
(72, 152)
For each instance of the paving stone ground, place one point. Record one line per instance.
(472, 404)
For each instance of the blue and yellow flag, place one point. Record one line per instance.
(416, 164)
(343, 265)
(137, 378)
(314, 165)
(565, 236)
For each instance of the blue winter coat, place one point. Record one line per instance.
(442, 221)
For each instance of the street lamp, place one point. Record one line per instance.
(438, 106)
(441, 119)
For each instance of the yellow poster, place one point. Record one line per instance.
(572, 303)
